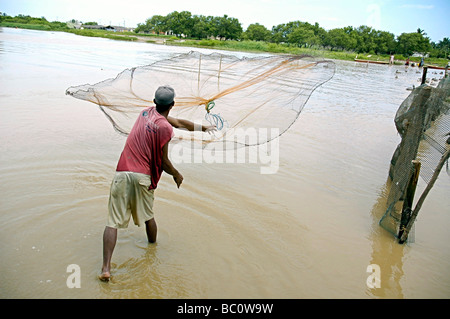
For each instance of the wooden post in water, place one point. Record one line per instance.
(424, 74)
(409, 197)
(423, 196)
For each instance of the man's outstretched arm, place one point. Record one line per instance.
(188, 125)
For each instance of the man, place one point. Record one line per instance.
(143, 159)
(391, 59)
(421, 62)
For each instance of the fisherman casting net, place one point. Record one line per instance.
(235, 95)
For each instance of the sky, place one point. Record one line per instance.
(395, 16)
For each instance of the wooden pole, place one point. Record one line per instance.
(423, 196)
(409, 197)
(199, 67)
(424, 74)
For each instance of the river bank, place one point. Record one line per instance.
(252, 47)
(231, 45)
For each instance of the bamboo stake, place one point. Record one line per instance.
(409, 196)
(199, 67)
(423, 196)
(424, 74)
(218, 76)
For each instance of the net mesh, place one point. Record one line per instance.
(423, 121)
(234, 94)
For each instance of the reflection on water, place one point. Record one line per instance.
(308, 231)
(386, 253)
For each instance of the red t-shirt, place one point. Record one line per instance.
(143, 149)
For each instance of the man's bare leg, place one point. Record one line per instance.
(151, 229)
(109, 242)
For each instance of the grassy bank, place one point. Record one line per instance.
(87, 33)
(243, 46)
(41, 27)
(259, 46)
(103, 34)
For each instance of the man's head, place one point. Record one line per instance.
(164, 98)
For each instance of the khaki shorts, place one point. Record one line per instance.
(130, 196)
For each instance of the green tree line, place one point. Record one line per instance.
(25, 20)
(362, 39)
(193, 26)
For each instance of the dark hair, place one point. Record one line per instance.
(163, 108)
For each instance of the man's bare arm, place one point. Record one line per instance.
(188, 125)
(169, 168)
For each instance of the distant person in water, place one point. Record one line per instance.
(391, 60)
(407, 61)
(141, 164)
(421, 62)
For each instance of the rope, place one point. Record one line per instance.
(210, 106)
(215, 120)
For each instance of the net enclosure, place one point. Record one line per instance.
(423, 122)
(234, 94)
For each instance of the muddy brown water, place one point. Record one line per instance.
(309, 230)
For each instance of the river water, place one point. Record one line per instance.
(310, 230)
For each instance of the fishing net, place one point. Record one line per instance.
(237, 95)
(423, 121)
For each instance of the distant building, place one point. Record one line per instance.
(74, 24)
(420, 55)
(107, 28)
(93, 27)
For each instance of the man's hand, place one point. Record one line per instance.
(178, 178)
(210, 129)
(168, 167)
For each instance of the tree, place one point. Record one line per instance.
(339, 39)
(180, 23)
(257, 32)
(421, 31)
(408, 43)
(279, 33)
(319, 33)
(442, 48)
(156, 23)
(444, 43)
(298, 33)
(384, 42)
(201, 27)
(302, 37)
(228, 28)
(365, 39)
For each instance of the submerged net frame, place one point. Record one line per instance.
(231, 93)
